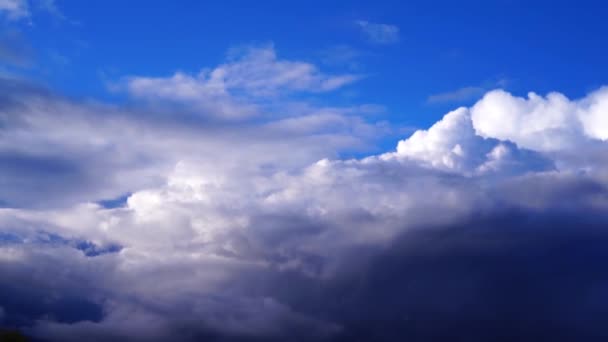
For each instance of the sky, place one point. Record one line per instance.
(303, 171)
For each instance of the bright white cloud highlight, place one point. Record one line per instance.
(452, 144)
(550, 123)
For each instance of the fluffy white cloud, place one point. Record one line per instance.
(16, 10)
(593, 113)
(551, 123)
(453, 145)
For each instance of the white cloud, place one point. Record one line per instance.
(249, 76)
(452, 144)
(75, 152)
(593, 113)
(551, 123)
(379, 33)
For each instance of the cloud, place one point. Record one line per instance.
(452, 144)
(251, 75)
(15, 9)
(479, 279)
(379, 33)
(256, 230)
(551, 123)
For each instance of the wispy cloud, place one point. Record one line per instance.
(465, 93)
(14, 9)
(250, 75)
(458, 95)
(50, 7)
(379, 33)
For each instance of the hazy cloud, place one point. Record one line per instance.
(15, 9)
(250, 75)
(379, 33)
(458, 95)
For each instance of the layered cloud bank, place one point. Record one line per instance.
(133, 224)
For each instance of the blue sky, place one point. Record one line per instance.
(303, 171)
(442, 47)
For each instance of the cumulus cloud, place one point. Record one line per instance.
(256, 230)
(452, 144)
(379, 33)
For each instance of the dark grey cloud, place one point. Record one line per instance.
(511, 275)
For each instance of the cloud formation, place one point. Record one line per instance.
(250, 75)
(551, 123)
(256, 229)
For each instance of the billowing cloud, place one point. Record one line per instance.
(550, 123)
(74, 152)
(257, 230)
(379, 33)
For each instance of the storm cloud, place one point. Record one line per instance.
(138, 222)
